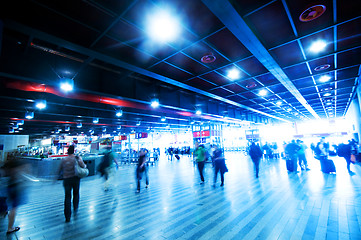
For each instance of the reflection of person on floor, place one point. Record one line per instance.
(200, 154)
(71, 182)
(255, 153)
(302, 155)
(14, 169)
(142, 169)
(219, 164)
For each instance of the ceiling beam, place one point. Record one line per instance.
(226, 13)
(91, 53)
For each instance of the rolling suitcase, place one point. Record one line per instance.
(291, 165)
(327, 166)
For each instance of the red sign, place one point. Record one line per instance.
(205, 133)
(196, 134)
(123, 137)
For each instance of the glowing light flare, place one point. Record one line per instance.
(325, 78)
(199, 112)
(67, 84)
(263, 92)
(234, 74)
(163, 26)
(119, 113)
(154, 103)
(318, 46)
(40, 104)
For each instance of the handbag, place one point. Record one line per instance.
(79, 171)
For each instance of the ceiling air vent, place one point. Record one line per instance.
(208, 58)
(251, 85)
(312, 13)
(322, 67)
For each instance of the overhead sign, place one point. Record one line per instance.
(141, 135)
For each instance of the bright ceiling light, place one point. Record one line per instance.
(234, 74)
(20, 122)
(263, 92)
(198, 112)
(163, 119)
(40, 104)
(138, 123)
(79, 125)
(155, 103)
(119, 113)
(324, 78)
(318, 46)
(67, 84)
(279, 103)
(29, 115)
(95, 120)
(119, 127)
(327, 94)
(162, 26)
(67, 128)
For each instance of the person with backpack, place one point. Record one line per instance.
(106, 167)
(256, 154)
(200, 155)
(302, 160)
(219, 164)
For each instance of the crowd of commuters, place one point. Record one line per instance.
(294, 153)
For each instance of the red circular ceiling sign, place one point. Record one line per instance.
(208, 58)
(312, 13)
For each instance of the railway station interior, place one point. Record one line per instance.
(174, 93)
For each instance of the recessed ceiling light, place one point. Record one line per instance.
(163, 26)
(263, 92)
(40, 104)
(29, 115)
(233, 74)
(163, 119)
(79, 125)
(325, 78)
(279, 103)
(155, 103)
(95, 120)
(199, 112)
(119, 113)
(67, 84)
(318, 46)
(327, 94)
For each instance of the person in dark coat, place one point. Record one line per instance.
(219, 164)
(142, 169)
(255, 153)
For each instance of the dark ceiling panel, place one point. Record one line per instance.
(234, 87)
(216, 78)
(126, 33)
(349, 58)
(252, 66)
(278, 88)
(306, 91)
(297, 71)
(170, 71)
(201, 84)
(221, 92)
(288, 54)
(233, 50)
(184, 62)
(115, 6)
(298, 6)
(236, 98)
(199, 49)
(304, 82)
(346, 83)
(348, 73)
(249, 95)
(329, 60)
(271, 25)
(344, 91)
(247, 6)
(267, 79)
(348, 34)
(117, 50)
(347, 9)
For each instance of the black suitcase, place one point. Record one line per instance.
(291, 165)
(177, 157)
(327, 166)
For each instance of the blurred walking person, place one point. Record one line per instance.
(142, 169)
(302, 160)
(107, 168)
(200, 154)
(219, 165)
(71, 182)
(16, 187)
(256, 154)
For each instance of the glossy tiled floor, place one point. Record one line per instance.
(278, 205)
